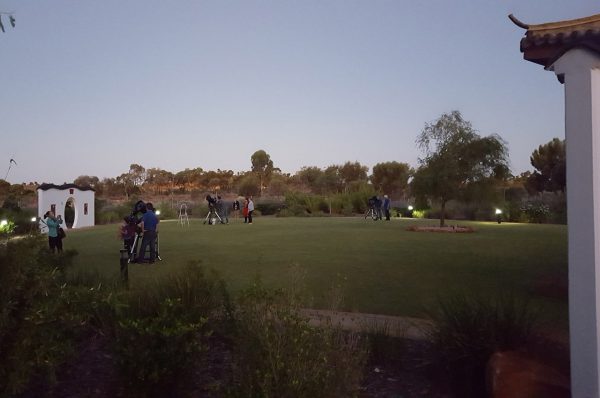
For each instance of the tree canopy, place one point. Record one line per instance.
(457, 160)
(549, 161)
(262, 165)
(391, 177)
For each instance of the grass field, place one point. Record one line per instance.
(381, 267)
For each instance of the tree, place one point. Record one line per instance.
(309, 177)
(549, 161)
(391, 177)
(89, 181)
(262, 165)
(137, 174)
(456, 160)
(330, 181)
(248, 185)
(352, 172)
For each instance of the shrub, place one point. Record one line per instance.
(19, 222)
(37, 325)
(468, 329)
(156, 352)
(385, 342)
(166, 211)
(419, 213)
(277, 353)
(536, 212)
(268, 208)
(161, 331)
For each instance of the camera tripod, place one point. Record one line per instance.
(134, 246)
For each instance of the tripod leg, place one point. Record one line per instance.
(158, 247)
(133, 249)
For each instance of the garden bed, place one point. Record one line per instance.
(449, 229)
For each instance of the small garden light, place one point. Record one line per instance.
(33, 219)
(410, 208)
(3, 223)
(499, 216)
(158, 212)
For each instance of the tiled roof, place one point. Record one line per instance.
(45, 187)
(545, 43)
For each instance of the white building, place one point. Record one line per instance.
(55, 198)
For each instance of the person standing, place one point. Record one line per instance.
(245, 210)
(54, 239)
(149, 226)
(250, 209)
(378, 203)
(387, 204)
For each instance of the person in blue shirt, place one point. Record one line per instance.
(149, 226)
(53, 223)
(387, 204)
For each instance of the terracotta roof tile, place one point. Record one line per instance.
(545, 43)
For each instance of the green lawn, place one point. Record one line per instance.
(382, 267)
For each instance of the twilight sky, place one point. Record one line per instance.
(89, 87)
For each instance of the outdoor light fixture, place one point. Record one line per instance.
(3, 223)
(499, 216)
(33, 219)
(410, 208)
(158, 212)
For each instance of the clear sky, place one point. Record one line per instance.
(89, 87)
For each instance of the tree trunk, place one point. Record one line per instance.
(443, 213)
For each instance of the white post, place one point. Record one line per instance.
(580, 69)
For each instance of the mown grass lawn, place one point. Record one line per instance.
(381, 267)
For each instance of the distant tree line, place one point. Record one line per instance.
(458, 168)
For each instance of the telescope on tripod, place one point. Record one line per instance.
(215, 211)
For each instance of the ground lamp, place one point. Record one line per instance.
(499, 215)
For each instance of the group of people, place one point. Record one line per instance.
(147, 224)
(381, 207)
(247, 209)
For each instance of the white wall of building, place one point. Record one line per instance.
(581, 71)
(83, 201)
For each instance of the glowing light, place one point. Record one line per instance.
(33, 219)
(158, 212)
(498, 211)
(3, 223)
(410, 208)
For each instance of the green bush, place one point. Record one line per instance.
(468, 328)
(269, 208)
(278, 354)
(37, 325)
(536, 212)
(19, 221)
(166, 211)
(163, 328)
(156, 352)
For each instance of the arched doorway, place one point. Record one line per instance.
(70, 212)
